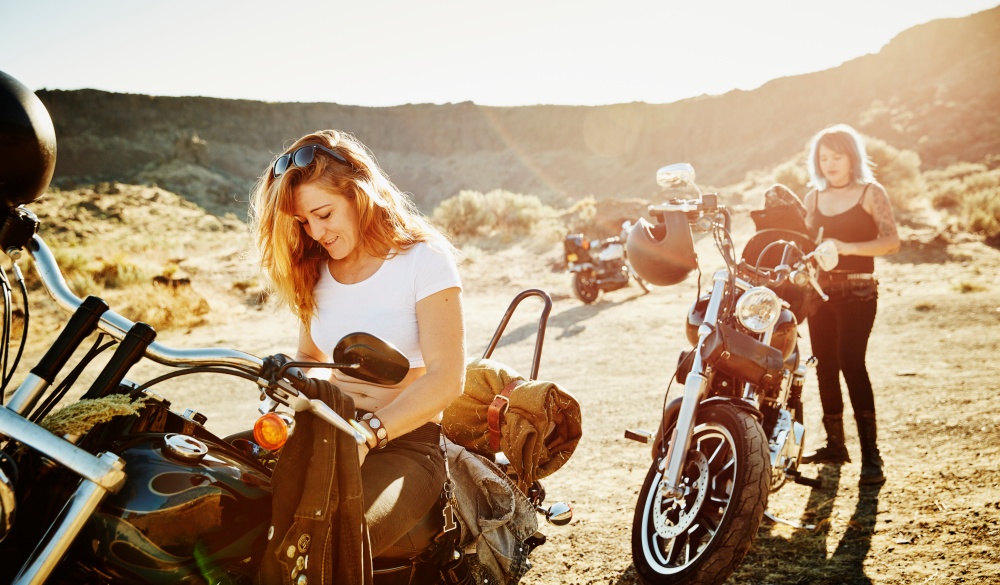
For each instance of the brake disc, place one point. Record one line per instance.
(686, 507)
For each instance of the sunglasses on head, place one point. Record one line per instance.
(301, 157)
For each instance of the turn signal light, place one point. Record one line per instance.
(270, 431)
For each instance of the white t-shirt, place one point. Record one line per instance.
(384, 304)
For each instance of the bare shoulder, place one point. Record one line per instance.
(876, 200)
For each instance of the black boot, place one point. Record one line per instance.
(835, 450)
(871, 460)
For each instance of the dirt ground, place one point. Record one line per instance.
(931, 359)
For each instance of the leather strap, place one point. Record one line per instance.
(496, 411)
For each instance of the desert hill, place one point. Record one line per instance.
(934, 89)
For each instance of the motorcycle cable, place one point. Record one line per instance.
(7, 326)
(24, 331)
(196, 370)
(60, 392)
(724, 244)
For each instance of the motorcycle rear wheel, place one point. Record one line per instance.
(584, 288)
(710, 529)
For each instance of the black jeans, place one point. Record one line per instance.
(400, 482)
(839, 333)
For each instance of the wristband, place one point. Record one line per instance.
(378, 429)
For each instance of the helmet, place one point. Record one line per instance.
(662, 254)
(27, 144)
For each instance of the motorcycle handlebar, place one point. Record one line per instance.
(118, 326)
(290, 378)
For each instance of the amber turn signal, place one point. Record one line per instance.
(270, 431)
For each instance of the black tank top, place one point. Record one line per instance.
(853, 225)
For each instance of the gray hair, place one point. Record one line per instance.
(842, 139)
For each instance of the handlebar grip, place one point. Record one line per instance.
(83, 322)
(129, 352)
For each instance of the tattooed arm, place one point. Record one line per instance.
(877, 204)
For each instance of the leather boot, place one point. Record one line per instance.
(871, 459)
(835, 450)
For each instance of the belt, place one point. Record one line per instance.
(426, 433)
(846, 276)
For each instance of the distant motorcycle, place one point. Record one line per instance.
(599, 265)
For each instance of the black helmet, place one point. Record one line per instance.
(27, 144)
(662, 254)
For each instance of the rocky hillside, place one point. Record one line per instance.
(934, 89)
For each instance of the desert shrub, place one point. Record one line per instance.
(514, 213)
(163, 307)
(118, 272)
(972, 193)
(946, 194)
(967, 286)
(793, 175)
(956, 171)
(471, 213)
(85, 275)
(898, 171)
(980, 212)
(585, 210)
(462, 215)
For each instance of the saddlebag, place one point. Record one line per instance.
(536, 424)
(739, 355)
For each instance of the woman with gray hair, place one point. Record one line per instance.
(852, 210)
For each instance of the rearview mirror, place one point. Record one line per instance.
(826, 255)
(379, 362)
(675, 176)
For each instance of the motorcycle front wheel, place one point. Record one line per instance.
(701, 537)
(584, 288)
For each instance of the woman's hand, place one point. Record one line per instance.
(843, 248)
(362, 453)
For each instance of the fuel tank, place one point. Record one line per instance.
(190, 512)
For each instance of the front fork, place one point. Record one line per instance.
(695, 389)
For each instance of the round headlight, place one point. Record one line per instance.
(758, 309)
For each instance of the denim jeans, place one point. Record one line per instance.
(839, 333)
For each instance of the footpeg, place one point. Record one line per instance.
(638, 435)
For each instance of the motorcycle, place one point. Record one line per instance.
(736, 434)
(599, 265)
(126, 490)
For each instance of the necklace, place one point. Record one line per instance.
(846, 185)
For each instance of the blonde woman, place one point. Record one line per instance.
(346, 251)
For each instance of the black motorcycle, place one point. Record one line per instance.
(736, 434)
(599, 265)
(120, 488)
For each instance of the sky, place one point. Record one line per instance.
(392, 52)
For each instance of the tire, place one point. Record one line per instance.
(584, 288)
(717, 520)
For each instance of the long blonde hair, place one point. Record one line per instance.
(388, 222)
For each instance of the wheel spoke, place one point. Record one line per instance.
(680, 535)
